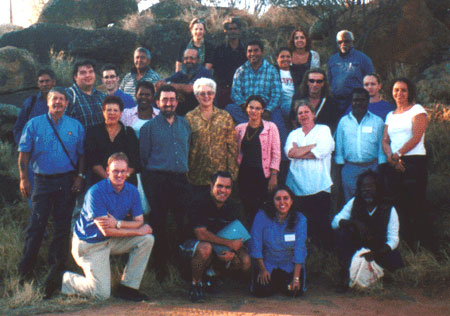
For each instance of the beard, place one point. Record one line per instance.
(189, 69)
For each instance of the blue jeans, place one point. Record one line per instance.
(50, 196)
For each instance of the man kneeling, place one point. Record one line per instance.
(368, 220)
(208, 216)
(110, 223)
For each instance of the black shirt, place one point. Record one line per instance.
(251, 147)
(226, 61)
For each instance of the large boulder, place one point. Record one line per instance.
(6, 28)
(87, 13)
(434, 84)
(17, 69)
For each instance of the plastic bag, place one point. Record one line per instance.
(362, 272)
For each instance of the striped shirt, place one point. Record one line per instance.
(129, 82)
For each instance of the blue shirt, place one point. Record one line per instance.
(180, 77)
(275, 244)
(380, 108)
(359, 142)
(265, 81)
(128, 101)
(347, 72)
(47, 153)
(38, 108)
(165, 147)
(102, 199)
(84, 107)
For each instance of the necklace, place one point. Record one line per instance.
(247, 136)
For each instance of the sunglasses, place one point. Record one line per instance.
(315, 80)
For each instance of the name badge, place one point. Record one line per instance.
(289, 237)
(367, 129)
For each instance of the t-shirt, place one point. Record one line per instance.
(399, 127)
(287, 91)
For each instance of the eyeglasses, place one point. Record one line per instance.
(117, 172)
(315, 80)
(109, 77)
(206, 93)
(344, 42)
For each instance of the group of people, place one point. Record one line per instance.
(151, 146)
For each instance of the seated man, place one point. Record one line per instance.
(368, 220)
(103, 229)
(183, 80)
(208, 216)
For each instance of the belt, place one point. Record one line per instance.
(54, 176)
(362, 164)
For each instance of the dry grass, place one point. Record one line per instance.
(61, 64)
(137, 23)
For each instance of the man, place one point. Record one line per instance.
(145, 109)
(110, 223)
(184, 79)
(358, 142)
(255, 77)
(228, 57)
(53, 144)
(314, 88)
(140, 72)
(85, 102)
(368, 220)
(110, 79)
(164, 148)
(210, 214)
(346, 69)
(213, 146)
(35, 105)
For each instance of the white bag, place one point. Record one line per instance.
(362, 272)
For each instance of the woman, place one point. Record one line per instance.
(259, 156)
(403, 144)
(303, 57)
(372, 83)
(197, 27)
(278, 246)
(309, 147)
(107, 138)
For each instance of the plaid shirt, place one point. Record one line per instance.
(84, 107)
(213, 146)
(265, 82)
(129, 82)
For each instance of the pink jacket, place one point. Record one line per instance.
(270, 145)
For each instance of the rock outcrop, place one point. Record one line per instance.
(17, 69)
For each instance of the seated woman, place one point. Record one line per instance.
(259, 156)
(303, 57)
(368, 220)
(278, 246)
(309, 148)
(110, 137)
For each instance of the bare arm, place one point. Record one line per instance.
(303, 152)
(386, 143)
(178, 66)
(136, 227)
(419, 125)
(183, 88)
(208, 66)
(25, 186)
(100, 171)
(205, 235)
(295, 284)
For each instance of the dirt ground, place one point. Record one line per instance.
(237, 302)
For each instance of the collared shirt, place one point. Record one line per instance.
(359, 142)
(129, 82)
(265, 81)
(128, 101)
(102, 199)
(392, 237)
(47, 153)
(279, 247)
(226, 61)
(165, 147)
(347, 72)
(213, 145)
(38, 108)
(84, 107)
(310, 176)
(130, 116)
(380, 108)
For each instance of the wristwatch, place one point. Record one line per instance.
(119, 223)
(82, 176)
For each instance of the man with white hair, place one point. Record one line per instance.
(140, 72)
(347, 69)
(213, 145)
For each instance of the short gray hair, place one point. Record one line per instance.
(143, 50)
(59, 90)
(345, 32)
(204, 82)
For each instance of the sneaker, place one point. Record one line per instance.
(53, 282)
(213, 284)
(130, 294)
(196, 294)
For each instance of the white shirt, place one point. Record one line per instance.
(400, 130)
(310, 176)
(392, 229)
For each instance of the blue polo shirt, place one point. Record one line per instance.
(47, 153)
(102, 199)
(128, 101)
